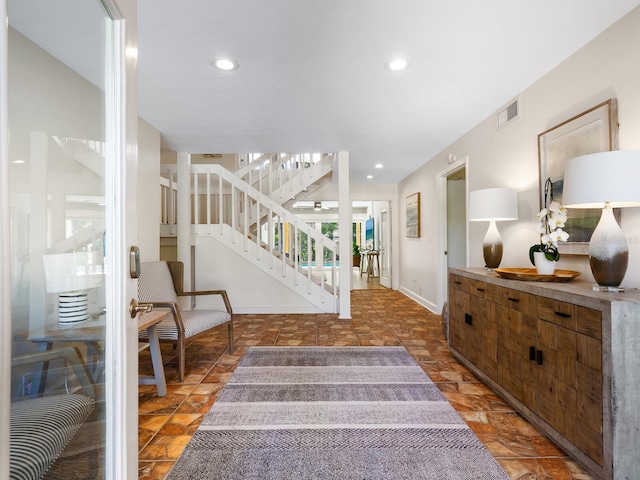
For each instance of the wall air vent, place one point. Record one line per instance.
(508, 114)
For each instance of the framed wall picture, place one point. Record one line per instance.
(592, 131)
(413, 215)
(369, 239)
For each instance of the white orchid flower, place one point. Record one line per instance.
(546, 240)
(551, 221)
(556, 207)
(558, 235)
(557, 221)
(541, 214)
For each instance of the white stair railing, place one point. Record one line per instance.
(254, 224)
(282, 176)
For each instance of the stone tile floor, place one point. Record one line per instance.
(379, 317)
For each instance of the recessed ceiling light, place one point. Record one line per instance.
(397, 64)
(225, 64)
(378, 165)
(369, 177)
(19, 161)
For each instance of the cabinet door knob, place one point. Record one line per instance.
(562, 314)
(532, 353)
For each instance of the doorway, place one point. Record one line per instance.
(452, 222)
(456, 219)
(372, 232)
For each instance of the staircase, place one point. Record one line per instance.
(89, 153)
(285, 177)
(241, 216)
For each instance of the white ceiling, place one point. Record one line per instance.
(56, 27)
(312, 74)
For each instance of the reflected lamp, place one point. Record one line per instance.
(493, 205)
(70, 275)
(605, 180)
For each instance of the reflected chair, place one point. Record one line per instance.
(161, 284)
(40, 428)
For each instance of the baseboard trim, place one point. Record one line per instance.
(275, 310)
(432, 307)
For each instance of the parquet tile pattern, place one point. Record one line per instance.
(379, 317)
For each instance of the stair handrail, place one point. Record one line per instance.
(322, 241)
(260, 198)
(241, 232)
(233, 179)
(275, 170)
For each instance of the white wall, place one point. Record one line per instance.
(148, 191)
(607, 67)
(250, 290)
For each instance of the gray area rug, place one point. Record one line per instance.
(333, 412)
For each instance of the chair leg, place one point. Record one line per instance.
(181, 361)
(230, 331)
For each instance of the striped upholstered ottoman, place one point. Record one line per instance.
(40, 428)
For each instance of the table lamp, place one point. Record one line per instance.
(493, 205)
(70, 275)
(604, 180)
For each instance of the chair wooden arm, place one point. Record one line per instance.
(177, 275)
(71, 355)
(223, 293)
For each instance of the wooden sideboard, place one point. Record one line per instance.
(565, 356)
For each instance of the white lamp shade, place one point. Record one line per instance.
(493, 204)
(72, 272)
(591, 180)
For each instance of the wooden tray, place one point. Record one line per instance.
(531, 275)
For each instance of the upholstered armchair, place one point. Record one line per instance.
(160, 284)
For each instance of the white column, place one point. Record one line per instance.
(345, 222)
(38, 225)
(184, 215)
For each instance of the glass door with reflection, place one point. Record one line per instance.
(57, 66)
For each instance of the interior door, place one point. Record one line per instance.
(66, 227)
(452, 225)
(456, 219)
(385, 249)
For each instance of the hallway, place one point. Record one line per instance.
(362, 282)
